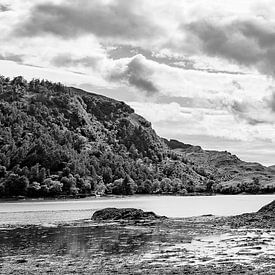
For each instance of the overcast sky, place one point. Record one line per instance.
(202, 71)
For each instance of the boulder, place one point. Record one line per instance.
(124, 214)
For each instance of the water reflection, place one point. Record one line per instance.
(169, 244)
(77, 241)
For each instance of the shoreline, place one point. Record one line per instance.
(198, 245)
(47, 212)
(70, 198)
(205, 244)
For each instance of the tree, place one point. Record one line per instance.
(124, 186)
(55, 188)
(147, 187)
(254, 186)
(69, 183)
(156, 186)
(133, 151)
(42, 174)
(3, 171)
(177, 185)
(33, 189)
(2, 190)
(165, 185)
(209, 186)
(16, 185)
(129, 186)
(100, 188)
(34, 173)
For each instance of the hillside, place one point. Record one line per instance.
(56, 140)
(232, 174)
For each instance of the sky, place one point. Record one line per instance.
(202, 71)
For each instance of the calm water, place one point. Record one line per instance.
(87, 247)
(43, 212)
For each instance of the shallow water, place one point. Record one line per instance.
(45, 238)
(94, 248)
(43, 212)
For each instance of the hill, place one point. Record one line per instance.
(57, 140)
(232, 174)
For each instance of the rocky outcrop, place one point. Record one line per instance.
(268, 209)
(124, 214)
(264, 218)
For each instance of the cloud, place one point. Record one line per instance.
(248, 42)
(172, 121)
(237, 85)
(12, 57)
(4, 8)
(66, 60)
(253, 112)
(243, 110)
(271, 102)
(115, 19)
(136, 73)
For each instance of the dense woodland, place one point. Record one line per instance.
(59, 141)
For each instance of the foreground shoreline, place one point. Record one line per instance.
(197, 245)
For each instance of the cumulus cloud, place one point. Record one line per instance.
(248, 42)
(135, 73)
(112, 19)
(66, 60)
(197, 62)
(253, 112)
(12, 57)
(171, 120)
(4, 8)
(271, 102)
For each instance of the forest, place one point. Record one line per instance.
(61, 141)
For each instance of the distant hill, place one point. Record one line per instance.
(233, 174)
(57, 140)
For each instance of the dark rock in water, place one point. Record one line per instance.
(21, 261)
(124, 214)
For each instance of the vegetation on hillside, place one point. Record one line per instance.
(56, 140)
(232, 175)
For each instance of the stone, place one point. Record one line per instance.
(124, 214)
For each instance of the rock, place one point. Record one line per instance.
(264, 218)
(268, 209)
(21, 261)
(124, 214)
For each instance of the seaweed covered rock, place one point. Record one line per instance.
(264, 218)
(124, 214)
(268, 209)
